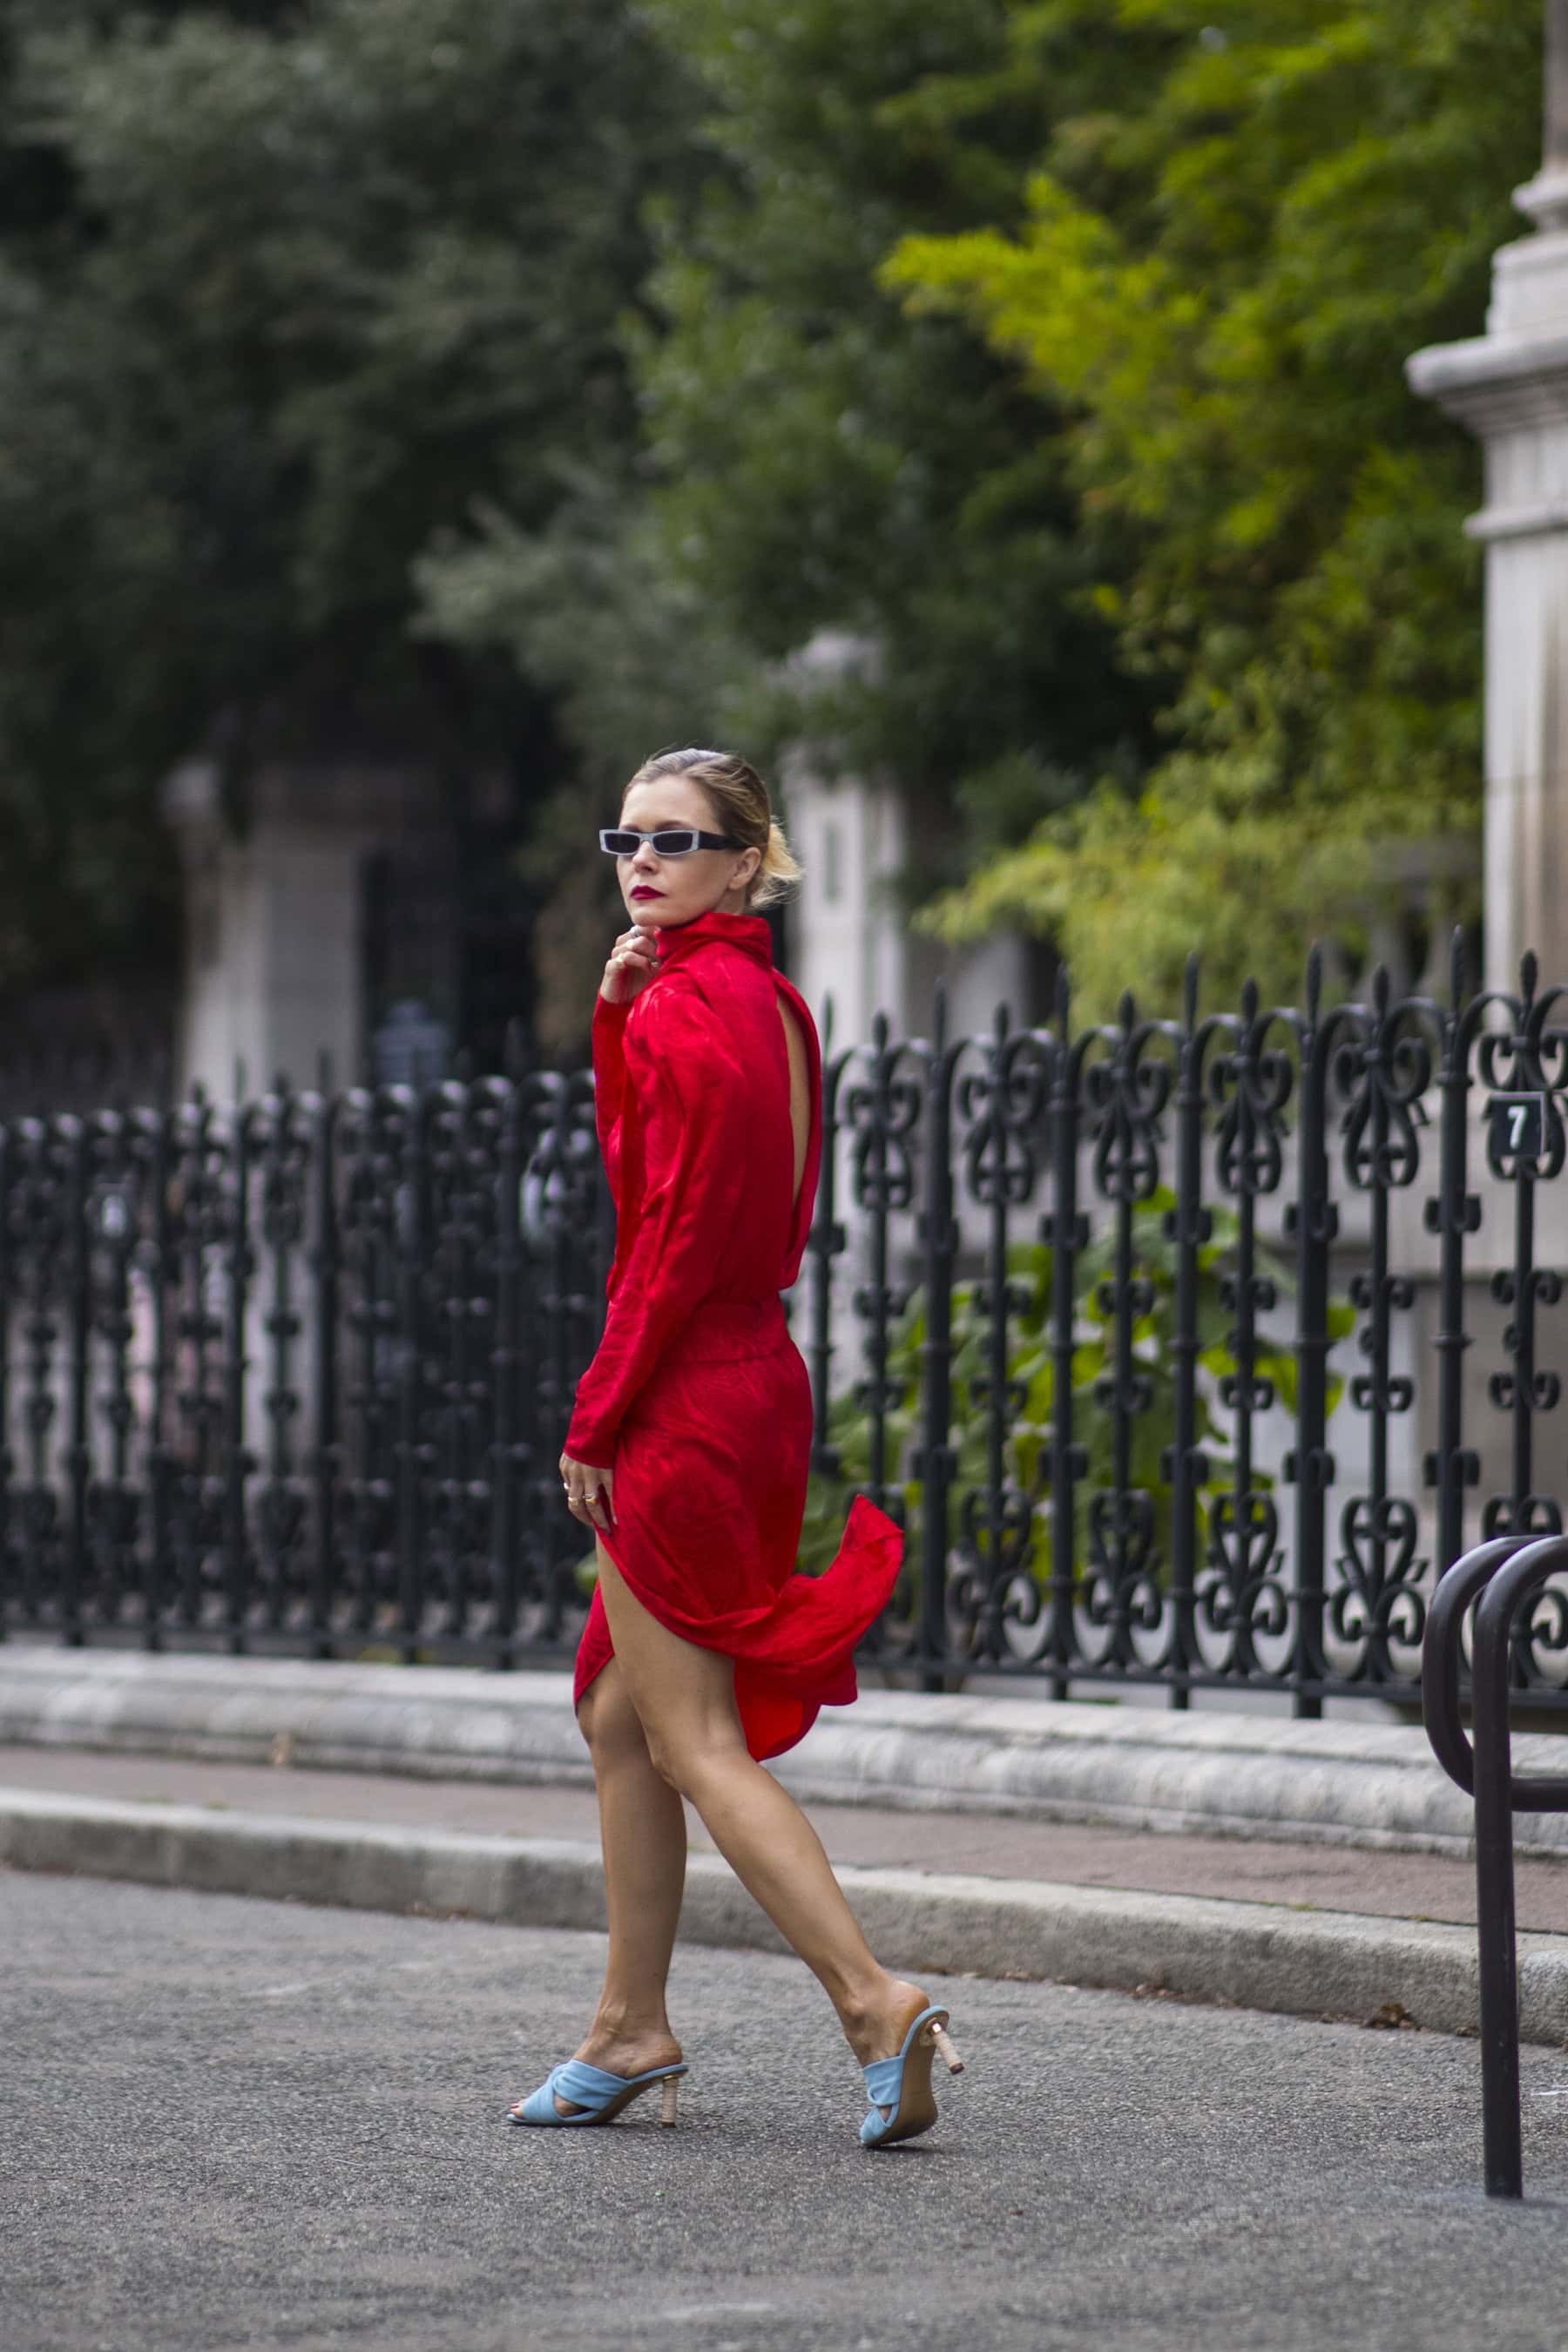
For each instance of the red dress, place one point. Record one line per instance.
(698, 1396)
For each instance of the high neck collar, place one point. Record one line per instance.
(750, 934)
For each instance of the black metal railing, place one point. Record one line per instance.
(1188, 1351)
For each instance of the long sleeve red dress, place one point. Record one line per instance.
(696, 1396)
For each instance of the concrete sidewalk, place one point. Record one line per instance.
(1303, 1929)
(1304, 1876)
(1319, 1869)
(1365, 1784)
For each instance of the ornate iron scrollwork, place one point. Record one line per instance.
(882, 1106)
(296, 1372)
(1384, 1056)
(1127, 1089)
(1242, 1596)
(996, 1602)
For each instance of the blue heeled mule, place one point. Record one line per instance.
(902, 2084)
(600, 2096)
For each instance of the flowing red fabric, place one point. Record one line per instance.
(697, 1395)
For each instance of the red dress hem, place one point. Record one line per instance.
(792, 1658)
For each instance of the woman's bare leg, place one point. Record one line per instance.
(685, 1700)
(642, 1832)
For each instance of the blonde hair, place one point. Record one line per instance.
(741, 802)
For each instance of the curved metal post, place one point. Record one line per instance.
(1442, 1655)
(1501, 1578)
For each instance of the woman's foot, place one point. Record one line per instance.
(623, 2052)
(878, 2030)
(897, 2061)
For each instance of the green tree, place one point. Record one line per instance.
(818, 460)
(1217, 286)
(286, 295)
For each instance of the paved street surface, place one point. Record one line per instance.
(231, 2124)
(997, 1846)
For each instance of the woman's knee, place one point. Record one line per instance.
(608, 1720)
(689, 1755)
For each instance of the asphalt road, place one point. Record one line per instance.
(236, 2123)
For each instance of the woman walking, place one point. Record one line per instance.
(687, 1452)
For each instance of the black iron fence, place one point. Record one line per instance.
(1188, 1351)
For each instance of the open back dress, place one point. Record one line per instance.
(698, 1397)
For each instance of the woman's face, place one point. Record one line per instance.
(659, 891)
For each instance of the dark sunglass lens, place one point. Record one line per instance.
(672, 842)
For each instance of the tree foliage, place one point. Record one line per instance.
(816, 460)
(285, 292)
(1215, 293)
(511, 383)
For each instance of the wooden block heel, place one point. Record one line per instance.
(669, 2113)
(941, 2040)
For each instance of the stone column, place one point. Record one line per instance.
(275, 953)
(848, 940)
(1511, 387)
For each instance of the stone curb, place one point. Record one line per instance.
(1249, 1955)
(1372, 1785)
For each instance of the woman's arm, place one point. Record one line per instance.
(609, 1064)
(689, 1134)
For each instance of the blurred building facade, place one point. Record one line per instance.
(357, 924)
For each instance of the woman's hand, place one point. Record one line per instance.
(631, 964)
(584, 1499)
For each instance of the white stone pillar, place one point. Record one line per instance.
(1511, 387)
(847, 942)
(275, 962)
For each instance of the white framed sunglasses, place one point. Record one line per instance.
(669, 841)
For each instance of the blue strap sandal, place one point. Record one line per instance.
(600, 2096)
(902, 2084)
